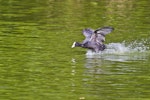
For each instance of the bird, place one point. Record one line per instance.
(94, 39)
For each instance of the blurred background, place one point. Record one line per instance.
(37, 61)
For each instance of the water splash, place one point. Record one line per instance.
(122, 51)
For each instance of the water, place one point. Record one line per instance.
(37, 62)
(122, 52)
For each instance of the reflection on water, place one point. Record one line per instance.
(36, 59)
(120, 68)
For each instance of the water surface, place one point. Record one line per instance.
(37, 61)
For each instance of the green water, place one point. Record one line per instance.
(38, 63)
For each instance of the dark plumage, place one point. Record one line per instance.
(94, 39)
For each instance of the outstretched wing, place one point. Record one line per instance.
(104, 30)
(87, 33)
(99, 36)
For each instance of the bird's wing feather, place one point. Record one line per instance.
(104, 30)
(87, 33)
(99, 34)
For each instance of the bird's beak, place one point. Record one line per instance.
(73, 45)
